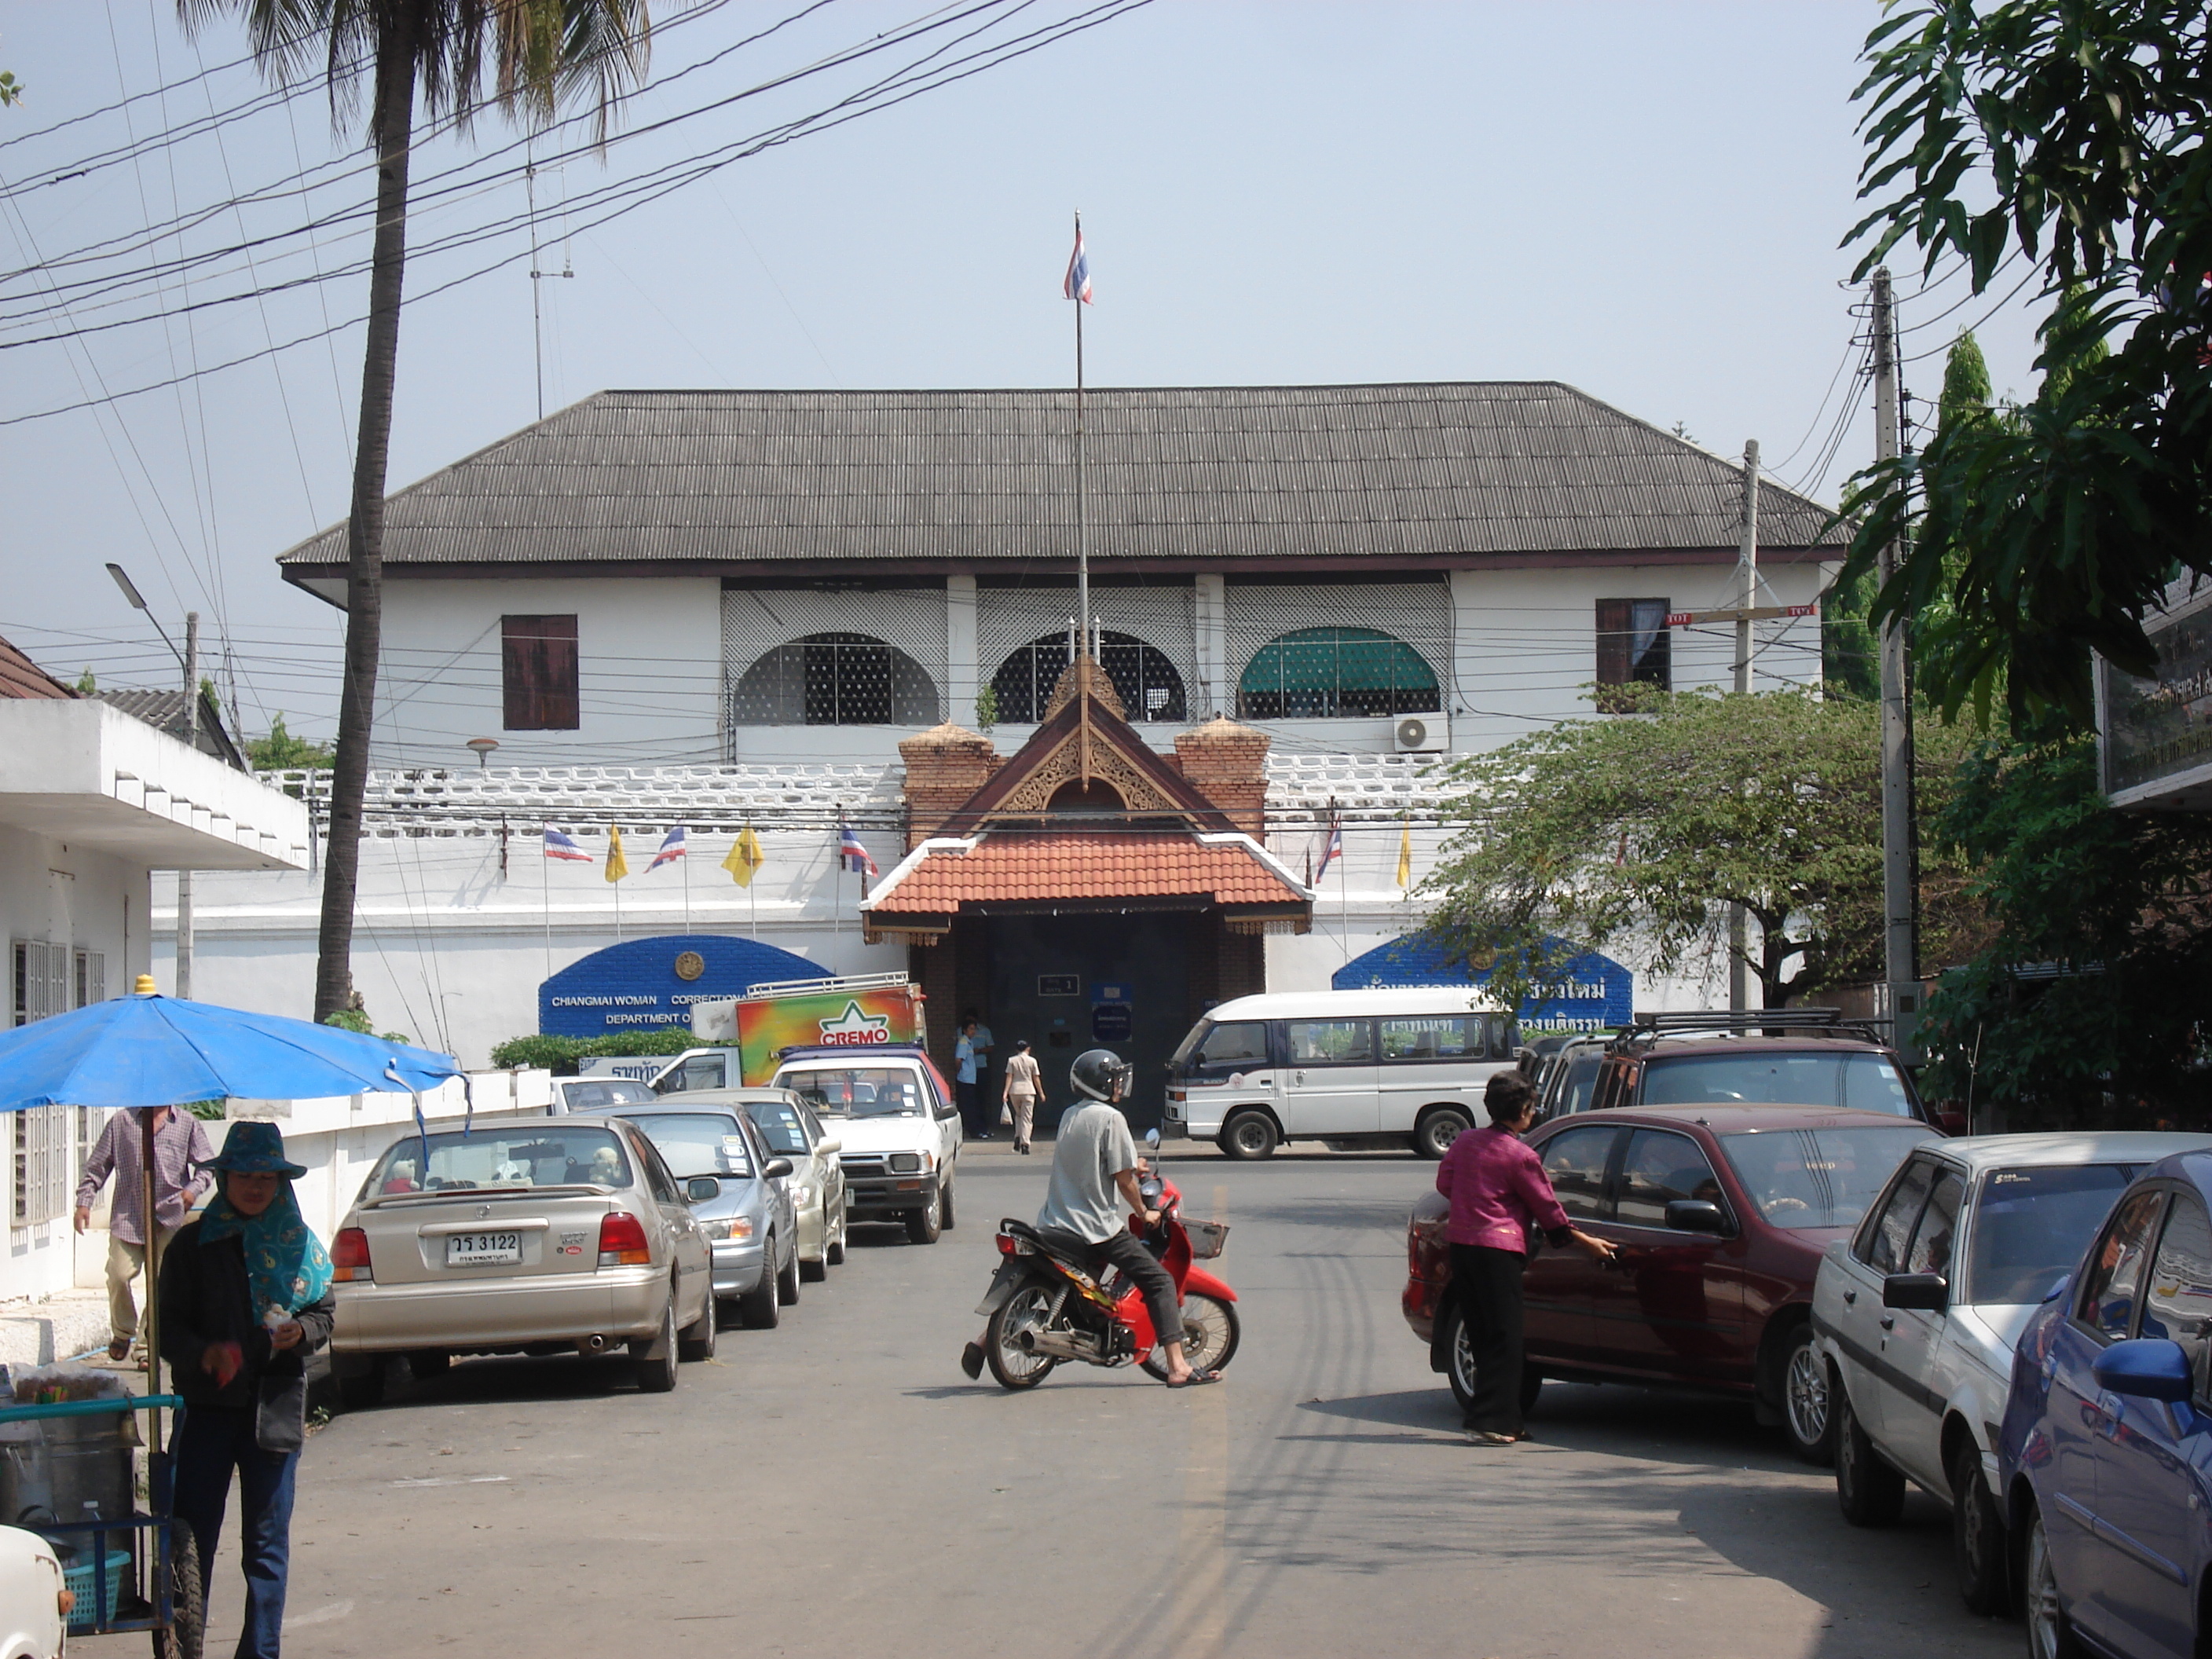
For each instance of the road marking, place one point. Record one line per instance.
(455, 1480)
(323, 1615)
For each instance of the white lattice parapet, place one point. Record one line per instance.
(461, 801)
(1305, 788)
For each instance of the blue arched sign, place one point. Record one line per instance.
(648, 984)
(1587, 993)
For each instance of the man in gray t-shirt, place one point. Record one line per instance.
(1094, 1157)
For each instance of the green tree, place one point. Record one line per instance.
(536, 55)
(86, 686)
(559, 1055)
(280, 751)
(2067, 136)
(1642, 831)
(2087, 1007)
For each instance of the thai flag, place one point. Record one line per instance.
(849, 850)
(558, 846)
(672, 848)
(1332, 852)
(1078, 283)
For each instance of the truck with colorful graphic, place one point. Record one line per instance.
(861, 1010)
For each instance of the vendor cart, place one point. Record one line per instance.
(137, 1571)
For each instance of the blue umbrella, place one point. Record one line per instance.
(150, 1050)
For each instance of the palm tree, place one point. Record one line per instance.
(540, 54)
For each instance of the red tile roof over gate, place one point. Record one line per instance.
(1012, 867)
(21, 678)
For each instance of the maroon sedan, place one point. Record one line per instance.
(1720, 1213)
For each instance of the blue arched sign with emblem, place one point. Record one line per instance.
(650, 984)
(1587, 992)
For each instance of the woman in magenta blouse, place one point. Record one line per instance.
(1499, 1193)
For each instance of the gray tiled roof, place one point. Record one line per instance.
(165, 711)
(1178, 473)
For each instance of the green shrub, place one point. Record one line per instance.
(559, 1055)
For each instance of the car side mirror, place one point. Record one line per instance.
(776, 1166)
(1696, 1215)
(831, 1147)
(701, 1189)
(1916, 1293)
(1951, 1123)
(2148, 1368)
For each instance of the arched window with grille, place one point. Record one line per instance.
(835, 679)
(1143, 679)
(1331, 673)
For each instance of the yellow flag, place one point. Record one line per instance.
(745, 858)
(1406, 859)
(617, 865)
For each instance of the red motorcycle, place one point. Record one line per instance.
(1043, 1307)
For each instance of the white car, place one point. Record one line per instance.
(34, 1604)
(898, 1128)
(1916, 1315)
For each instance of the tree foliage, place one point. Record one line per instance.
(280, 751)
(2089, 1006)
(2067, 135)
(1644, 829)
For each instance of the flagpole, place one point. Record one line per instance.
(686, 862)
(545, 889)
(1082, 516)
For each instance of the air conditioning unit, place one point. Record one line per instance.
(1417, 734)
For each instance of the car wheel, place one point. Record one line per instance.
(187, 1599)
(360, 1393)
(758, 1307)
(1869, 1491)
(1459, 1365)
(425, 1365)
(1437, 1128)
(923, 1225)
(1978, 1540)
(944, 1205)
(656, 1355)
(698, 1339)
(2050, 1632)
(1806, 1418)
(1249, 1136)
(816, 1271)
(834, 1251)
(786, 1280)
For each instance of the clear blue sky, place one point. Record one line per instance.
(1642, 199)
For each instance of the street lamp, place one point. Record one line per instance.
(189, 659)
(483, 746)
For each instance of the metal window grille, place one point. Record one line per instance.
(42, 1135)
(1143, 679)
(806, 658)
(1340, 651)
(1150, 648)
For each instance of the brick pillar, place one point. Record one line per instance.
(1227, 763)
(945, 766)
(1243, 970)
(931, 967)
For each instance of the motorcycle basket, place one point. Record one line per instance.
(1207, 1238)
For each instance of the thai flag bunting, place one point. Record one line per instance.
(1333, 851)
(672, 848)
(558, 846)
(854, 855)
(1077, 286)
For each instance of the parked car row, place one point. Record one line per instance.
(2021, 1325)
(648, 1223)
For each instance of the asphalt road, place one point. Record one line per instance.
(836, 1486)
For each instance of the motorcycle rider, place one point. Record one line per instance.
(1094, 1155)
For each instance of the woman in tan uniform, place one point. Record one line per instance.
(1020, 1090)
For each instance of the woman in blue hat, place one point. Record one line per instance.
(246, 1297)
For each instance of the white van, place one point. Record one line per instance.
(1398, 1066)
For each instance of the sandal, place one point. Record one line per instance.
(1196, 1379)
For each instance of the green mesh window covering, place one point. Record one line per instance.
(1326, 673)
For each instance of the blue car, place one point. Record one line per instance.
(2106, 1445)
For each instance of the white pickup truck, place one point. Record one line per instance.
(899, 1128)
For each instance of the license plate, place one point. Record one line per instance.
(483, 1249)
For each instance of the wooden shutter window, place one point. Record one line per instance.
(1615, 626)
(539, 673)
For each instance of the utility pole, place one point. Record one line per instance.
(1900, 930)
(192, 740)
(1747, 596)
